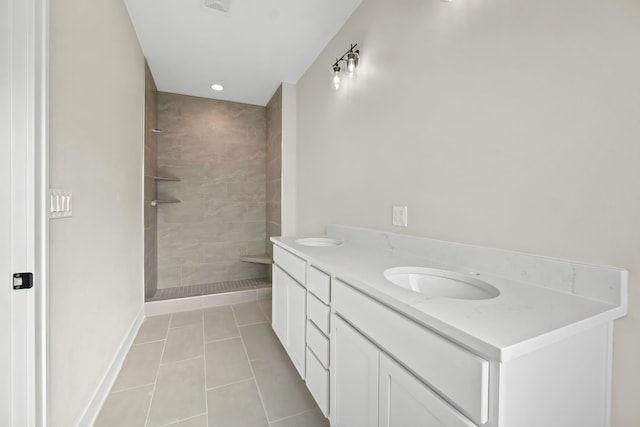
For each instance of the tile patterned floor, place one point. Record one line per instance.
(220, 366)
(209, 289)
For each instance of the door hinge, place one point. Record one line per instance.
(23, 281)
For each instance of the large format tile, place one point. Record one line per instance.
(183, 343)
(219, 324)
(153, 329)
(261, 341)
(265, 305)
(312, 418)
(180, 392)
(236, 405)
(140, 367)
(125, 408)
(282, 390)
(249, 313)
(186, 318)
(226, 362)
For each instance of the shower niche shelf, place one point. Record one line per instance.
(165, 178)
(159, 202)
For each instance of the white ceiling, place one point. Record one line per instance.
(250, 50)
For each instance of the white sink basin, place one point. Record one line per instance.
(440, 283)
(318, 241)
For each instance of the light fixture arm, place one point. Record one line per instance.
(353, 46)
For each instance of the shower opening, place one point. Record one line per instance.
(212, 194)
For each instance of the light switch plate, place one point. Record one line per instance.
(399, 216)
(60, 202)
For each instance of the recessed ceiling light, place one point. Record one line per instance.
(217, 87)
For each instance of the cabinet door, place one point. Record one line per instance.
(407, 402)
(354, 377)
(296, 324)
(279, 304)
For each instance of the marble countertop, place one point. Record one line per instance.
(521, 319)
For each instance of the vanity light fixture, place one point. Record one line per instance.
(351, 57)
(217, 87)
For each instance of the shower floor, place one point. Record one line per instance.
(209, 289)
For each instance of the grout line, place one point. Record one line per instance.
(223, 339)
(204, 362)
(253, 374)
(264, 312)
(231, 383)
(292, 416)
(183, 419)
(254, 323)
(130, 388)
(155, 383)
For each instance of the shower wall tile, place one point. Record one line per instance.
(218, 151)
(150, 170)
(273, 166)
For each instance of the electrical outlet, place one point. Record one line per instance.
(399, 216)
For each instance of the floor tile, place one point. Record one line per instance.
(312, 418)
(125, 408)
(265, 305)
(219, 324)
(180, 392)
(140, 367)
(199, 421)
(226, 362)
(183, 343)
(236, 405)
(248, 313)
(283, 391)
(186, 318)
(261, 341)
(153, 329)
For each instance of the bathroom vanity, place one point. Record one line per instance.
(397, 331)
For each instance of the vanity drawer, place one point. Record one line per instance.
(292, 264)
(318, 313)
(319, 284)
(455, 373)
(318, 343)
(318, 382)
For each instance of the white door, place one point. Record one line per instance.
(22, 142)
(354, 377)
(407, 402)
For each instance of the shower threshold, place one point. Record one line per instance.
(209, 289)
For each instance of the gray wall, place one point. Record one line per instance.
(274, 168)
(150, 170)
(511, 124)
(217, 149)
(96, 150)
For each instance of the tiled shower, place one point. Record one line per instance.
(213, 174)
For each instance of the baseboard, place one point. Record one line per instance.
(93, 408)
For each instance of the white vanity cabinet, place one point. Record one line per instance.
(368, 388)
(532, 357)
(289, 300)
(318, 330)
(354, 377)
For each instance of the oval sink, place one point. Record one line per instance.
(318, 241)
(440, 283)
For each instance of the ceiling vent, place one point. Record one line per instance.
(219, 5)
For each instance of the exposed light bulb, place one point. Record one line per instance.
(336, 79)
(352, 63)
